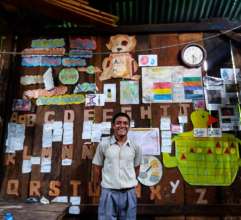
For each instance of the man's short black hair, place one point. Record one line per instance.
(120, 114)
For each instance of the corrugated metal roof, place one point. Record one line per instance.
(136, 12)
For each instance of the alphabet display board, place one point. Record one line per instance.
(56, 162)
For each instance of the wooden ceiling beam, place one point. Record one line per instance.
(98, 17)
(90, 9)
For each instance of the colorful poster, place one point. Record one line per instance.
(68, 76)
(129, 92)
(31, 80)
(84, 44)
(73, 62)
(43, 52)
(110, 92)
(192, 81)
(81, 53)
(48, 43)
(85, 87)
(156, 84)
(21, 105)
(171, 84)
(61, 100)
(41, 61)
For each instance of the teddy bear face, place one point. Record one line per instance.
(121, 43)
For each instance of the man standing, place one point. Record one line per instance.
(116, 163)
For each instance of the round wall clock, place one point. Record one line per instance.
(193, 55)
(150, 171)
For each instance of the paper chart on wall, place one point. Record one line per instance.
(156, 84)
(171, 84)
(15, 138)
(192, 82)
(147, 138)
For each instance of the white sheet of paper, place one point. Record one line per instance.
(68, 133)
(96, 132)
(214, 132)
(147, 139)
(166, 149)
(177, 129)
(200, 132)
(147, 60)
(106, 126)
(166, 134)
(166, 142)
(110, 92)
(165, 123)
(95, 100)
(182, 119)
(87, 129)
(75, 200)
(26, 166)
(48, 79)
(66, 162)
(47, 137)
(15, 138)
(45, 165)
(60, 199)
(35, 160)
(74, 210)
(57, 131)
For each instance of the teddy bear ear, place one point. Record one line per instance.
(132, 41)
(109, 45)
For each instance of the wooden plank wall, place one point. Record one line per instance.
(76, 180)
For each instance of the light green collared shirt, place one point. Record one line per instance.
(118, 163)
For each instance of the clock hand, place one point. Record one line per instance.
(147, 169)
(193, 59)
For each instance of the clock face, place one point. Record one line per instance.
(150, 171)
(193, 55)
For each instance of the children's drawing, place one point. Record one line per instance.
(129, 92)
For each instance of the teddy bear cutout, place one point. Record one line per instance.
(120, 63)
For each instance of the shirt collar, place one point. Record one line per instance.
(113, 141)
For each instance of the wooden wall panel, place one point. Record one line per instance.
(77, 179)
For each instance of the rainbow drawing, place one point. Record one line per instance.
(162, 91)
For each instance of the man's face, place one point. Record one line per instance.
(121, 126)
